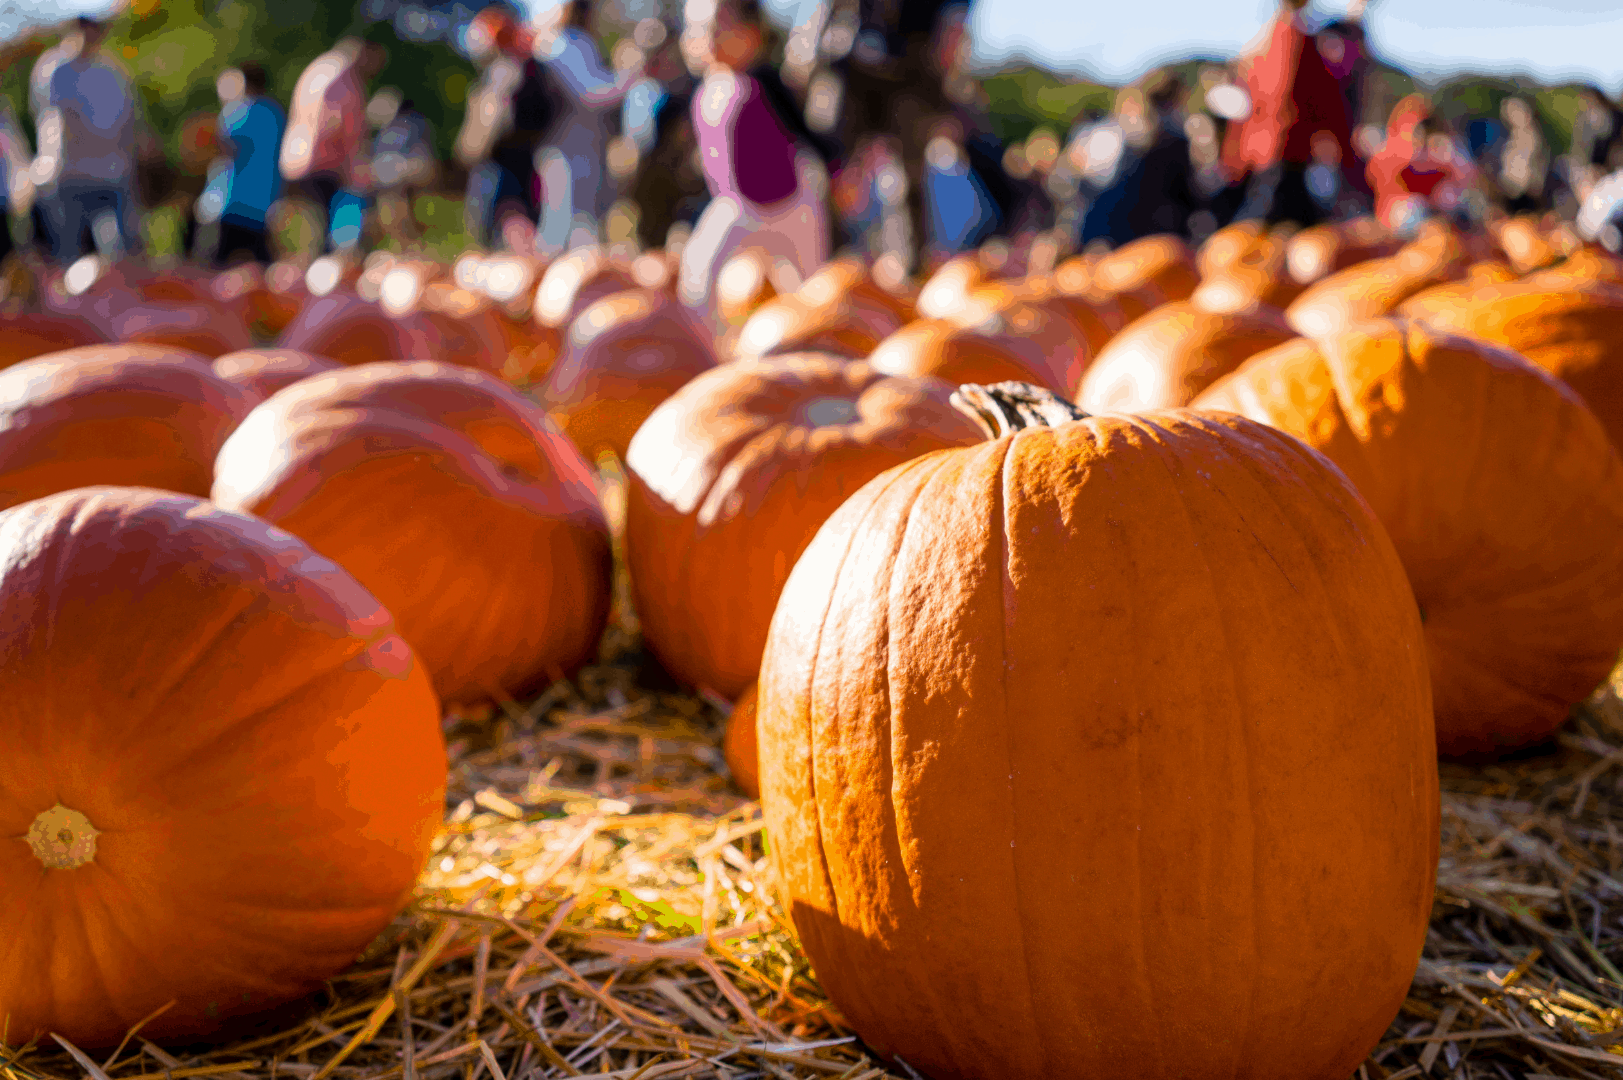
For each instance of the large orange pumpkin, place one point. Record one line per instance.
(1006, 344)
(731, 477)
(262, 372)
(137, 415)
(1149, 688)
(1372, 289)
(1587, 265)
(1573, 332)
(954, 280)
(201, 328)
(451, 498)
(623, 356)
(1320, 251)
(223, 767)
(1169, 356)
(31, 334)
(1499, 491)
(1256, 274)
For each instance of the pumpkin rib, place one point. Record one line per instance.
(1002, 558)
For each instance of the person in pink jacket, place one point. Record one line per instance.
(766, 187)
(323, 153)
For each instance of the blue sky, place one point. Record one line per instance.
(1116, 40)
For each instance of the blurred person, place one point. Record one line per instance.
(251, 129)
(960, 212)
(1153, 190)
(1419, 172)
(16, 182)
(574, 195)
(86, 162)
(891, 59)
(1294, 98)
(1523, 158)
(1597, 140)
(767, 188)
(667, 184)
(403, 162)
(39, 103)
(510, 111)
(1345, 51)
(323, 154)
(183, 187)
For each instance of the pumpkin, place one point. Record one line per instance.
(136, 415)
(1525, 245)
(31, 334)
(745, 282)
(838, 310)
(453, 500)
(575, 282)
(623, 356)
(738, 746)
(1011, 343)
(731, 476)
(1146, 273)
(1375, 287)
(1320, 251)
(1575, 333)
(1169, 356)
(1258, 275)
(217, 789)
(1499, 491)
(949, 285)
(1160, 672)
(1224, 247)
(208, 329)
(262, 372)
(350, 330)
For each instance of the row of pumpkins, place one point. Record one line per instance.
(1071, 701)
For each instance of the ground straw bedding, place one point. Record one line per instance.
(599, 904)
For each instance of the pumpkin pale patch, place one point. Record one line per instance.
(262, 372)
(1501, 495)
(218, 787)
(731, 477)
(453, 500)
(1143, 695)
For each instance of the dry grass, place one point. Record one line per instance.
(598, 904)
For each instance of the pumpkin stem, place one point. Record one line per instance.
(1007, 407)
(62, 839)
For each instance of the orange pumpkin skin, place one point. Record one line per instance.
(208, 329)
(1004, 345)
(950, 284)
(1318, 252)
(1525, 245)
(1573, 332)
(450, 498)
(1165, 359)
(1059, 676)
(1257, 274)
(730, 478)
(307, 733)
(136, 415)
(738, 746)
(262, 372)
(345, 328)
(1224, 247)
(1501, 495)
(623, 356)
(31, 334)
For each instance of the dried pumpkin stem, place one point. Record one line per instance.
(1007, 407)
(62, 838)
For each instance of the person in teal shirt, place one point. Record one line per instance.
(251, 128)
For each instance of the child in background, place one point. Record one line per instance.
(251, 127)
(766, 184)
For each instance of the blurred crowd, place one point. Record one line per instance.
(864, 127)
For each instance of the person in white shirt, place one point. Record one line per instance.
(574, 196)
(86, 162)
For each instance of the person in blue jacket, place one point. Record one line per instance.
(251, 128)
